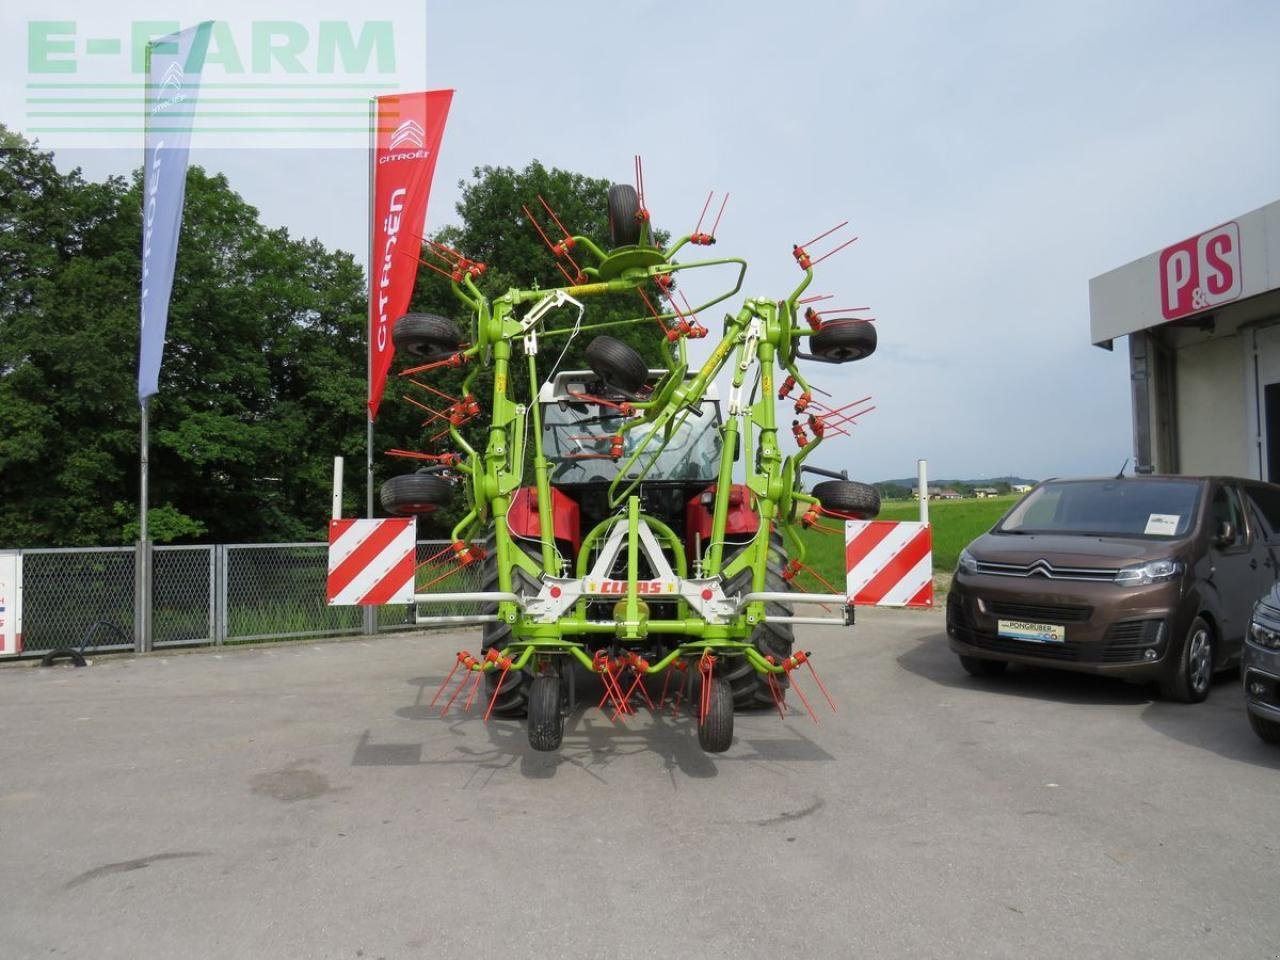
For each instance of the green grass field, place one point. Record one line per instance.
(955, 524)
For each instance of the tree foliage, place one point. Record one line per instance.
(263, 379)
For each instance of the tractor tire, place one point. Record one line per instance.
(425, 336)
(513, 699)
(546, 719)
(415, 493)
(715, 730)
(844, 341)
(624, 210)
(750, 689)
(617, 364)
(861, 501)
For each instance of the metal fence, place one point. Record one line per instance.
(83, 597)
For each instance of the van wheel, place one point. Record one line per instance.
(1190, 680)
(978, 667)
(1267, 730)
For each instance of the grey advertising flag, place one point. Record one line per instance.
(172, 84)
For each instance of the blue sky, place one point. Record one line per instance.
(991, 158)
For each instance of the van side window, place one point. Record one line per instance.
(1267, 500)
(1226, 507)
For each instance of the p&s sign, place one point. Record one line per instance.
(1200, 272)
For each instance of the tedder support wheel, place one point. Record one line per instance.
(843, 341)
(861, 501)
(415, 493)
(715, 727)
(624, 220)
(546, 719)
(425, 336)
(513, 698)
(617, 364)
(771, 639)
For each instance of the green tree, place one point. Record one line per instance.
(262, 380)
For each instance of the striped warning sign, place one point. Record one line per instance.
(371, 561)
(889, 563)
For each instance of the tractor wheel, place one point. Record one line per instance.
(750, 689)
(624, 210)
(546, 719)
(617, 364)
(715, 729)
(415, 493)
(425, 336)
(843, 341)
(861, 501)
(514, 696)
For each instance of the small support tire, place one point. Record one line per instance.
(546, 718)
(715, 729)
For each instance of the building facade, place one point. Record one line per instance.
(1202, 318)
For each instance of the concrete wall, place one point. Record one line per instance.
(1211, 424)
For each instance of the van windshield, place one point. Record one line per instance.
(1126, 508)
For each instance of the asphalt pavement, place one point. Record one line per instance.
(304, 801)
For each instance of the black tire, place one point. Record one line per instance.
(513, 699)
(1192, 674)
(425, 336)
(850, 498)
(978, 667)
(617, 364)
(546, 719)
(844, 341)
(715, 730)
(1268, 731)
(751, 689)
(415, 493)
(624, 220)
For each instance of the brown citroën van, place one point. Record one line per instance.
(1150, 578)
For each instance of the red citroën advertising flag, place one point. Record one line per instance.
(408, 127)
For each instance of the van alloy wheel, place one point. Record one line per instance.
(1200, 661)
(1191, 673)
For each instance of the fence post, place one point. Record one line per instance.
(220, 594)
(922, 488)
(142, 597)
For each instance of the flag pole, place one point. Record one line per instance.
(142, 550)
(369, 625)
(368, 346)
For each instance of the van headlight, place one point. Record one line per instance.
(966, 563)
(1157, 571)
(1264, 636)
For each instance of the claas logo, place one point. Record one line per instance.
(644, 587)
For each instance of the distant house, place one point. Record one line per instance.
(983, 492)
(934, 492)
(947, 494)
(1021, 487)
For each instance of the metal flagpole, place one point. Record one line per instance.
(370, 612)
(373, 142)
(142, 550)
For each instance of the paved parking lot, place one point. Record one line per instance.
(302, 801)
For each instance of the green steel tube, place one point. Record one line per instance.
(633, 560)
(546, 526)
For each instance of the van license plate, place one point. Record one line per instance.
(1033, 632)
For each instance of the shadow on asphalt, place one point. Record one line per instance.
(591, 742)
(1218, 725)
(933, 660)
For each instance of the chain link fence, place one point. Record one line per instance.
(82, 598)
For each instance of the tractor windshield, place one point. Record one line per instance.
(578, 439)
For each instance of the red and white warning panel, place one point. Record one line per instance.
(371, 562)
(889, 563)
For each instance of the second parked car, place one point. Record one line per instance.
(1147, 578)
